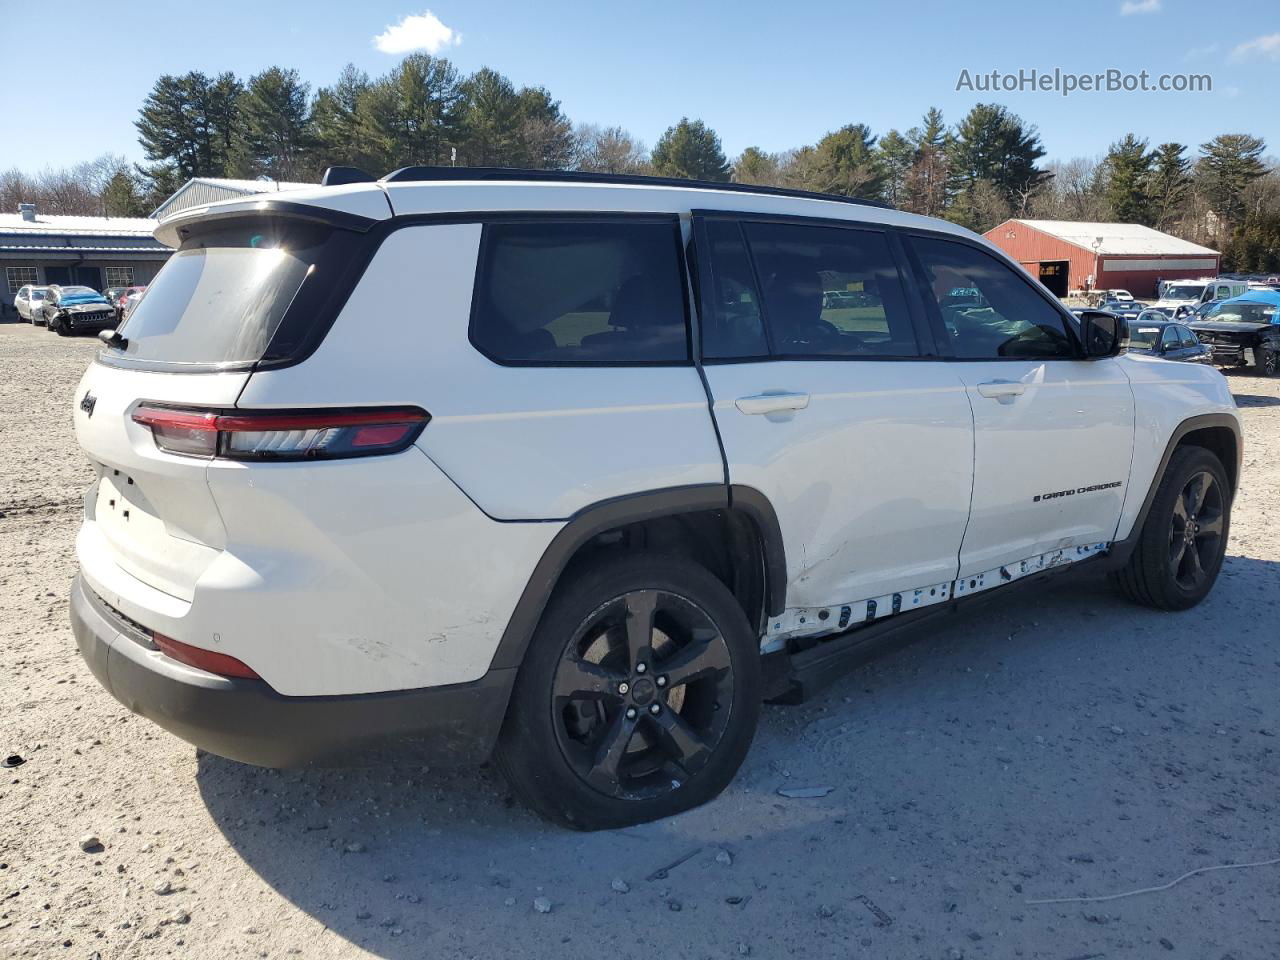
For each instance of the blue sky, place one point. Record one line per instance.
(774, 75)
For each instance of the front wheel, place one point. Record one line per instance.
(61, 326)
(1264, 364)
(638, 697)
(1184, 538)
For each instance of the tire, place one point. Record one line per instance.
(1171, 568)
(1264, 362)
(62, 328)
(582, 762)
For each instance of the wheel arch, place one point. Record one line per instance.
(1219, 433)
(720, 526)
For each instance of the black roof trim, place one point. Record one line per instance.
(336, 176)
(426, 174)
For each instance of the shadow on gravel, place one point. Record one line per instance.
(409, 862)
(1254, 400)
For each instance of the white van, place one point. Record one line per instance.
(1187, 295)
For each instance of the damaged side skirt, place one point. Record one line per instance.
(819, 621)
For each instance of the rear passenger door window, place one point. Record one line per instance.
(983, 309)
(573, 292)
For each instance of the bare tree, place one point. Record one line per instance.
(76, 190)
(609, 150)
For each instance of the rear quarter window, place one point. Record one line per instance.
(221, 299)
(574, 292)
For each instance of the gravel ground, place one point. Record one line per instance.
(1055, 744)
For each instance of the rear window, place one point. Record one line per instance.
(581, 292)
(220, 299)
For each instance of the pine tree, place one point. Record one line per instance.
(412, 115)
(690, 150)
(897, 156)
(755, 166)
(191, 122)
(277, 131)
(991, 144)
(1170, 180)
(845, 162)
(1229, 163)
(336, 120)
(929, 183)
(1128, 166)
(122, 198)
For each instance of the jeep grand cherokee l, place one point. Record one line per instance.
(578, 470)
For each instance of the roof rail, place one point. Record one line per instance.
(424, 173)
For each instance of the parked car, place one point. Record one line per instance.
(1244, 332)
(1129, 309)
(73, 309)
(288, 556)
(119, 297)
(114, 295)
(28, 301)
(129, 301)
(1152, 333)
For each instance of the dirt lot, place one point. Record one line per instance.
(1056, 744)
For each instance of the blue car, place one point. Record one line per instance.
(1244, 332)
(69, 310)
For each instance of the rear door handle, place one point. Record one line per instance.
(772, 402)
(1002, 390)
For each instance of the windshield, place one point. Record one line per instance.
(1243, 312)
(1183, 291)
(1143, 338)
(37, 294)
(221, 297)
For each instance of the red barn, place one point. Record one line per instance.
(1066, 255)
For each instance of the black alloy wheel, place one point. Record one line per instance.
(640, 695)
(1180, 548)
(1195, 531)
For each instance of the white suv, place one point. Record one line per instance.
(579, 470)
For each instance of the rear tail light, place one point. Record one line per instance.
(207, 660)
(282, 435)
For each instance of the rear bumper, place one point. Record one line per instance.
(246, 720)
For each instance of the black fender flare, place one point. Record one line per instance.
(633, 508)
(1122, 549)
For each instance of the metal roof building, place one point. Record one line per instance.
(198, 191)
(102, 252)
(98, 252)
(1067, 255)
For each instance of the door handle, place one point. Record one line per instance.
(772, 402)
(1002, 390)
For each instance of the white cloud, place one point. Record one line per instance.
(1139, 6)
(1199, 53)
(1266, 46)
(417, 32)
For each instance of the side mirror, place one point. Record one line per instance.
(1103, 334)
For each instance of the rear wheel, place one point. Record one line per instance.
(638, 698)
(1184, 538)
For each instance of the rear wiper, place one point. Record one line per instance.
(112, 338)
